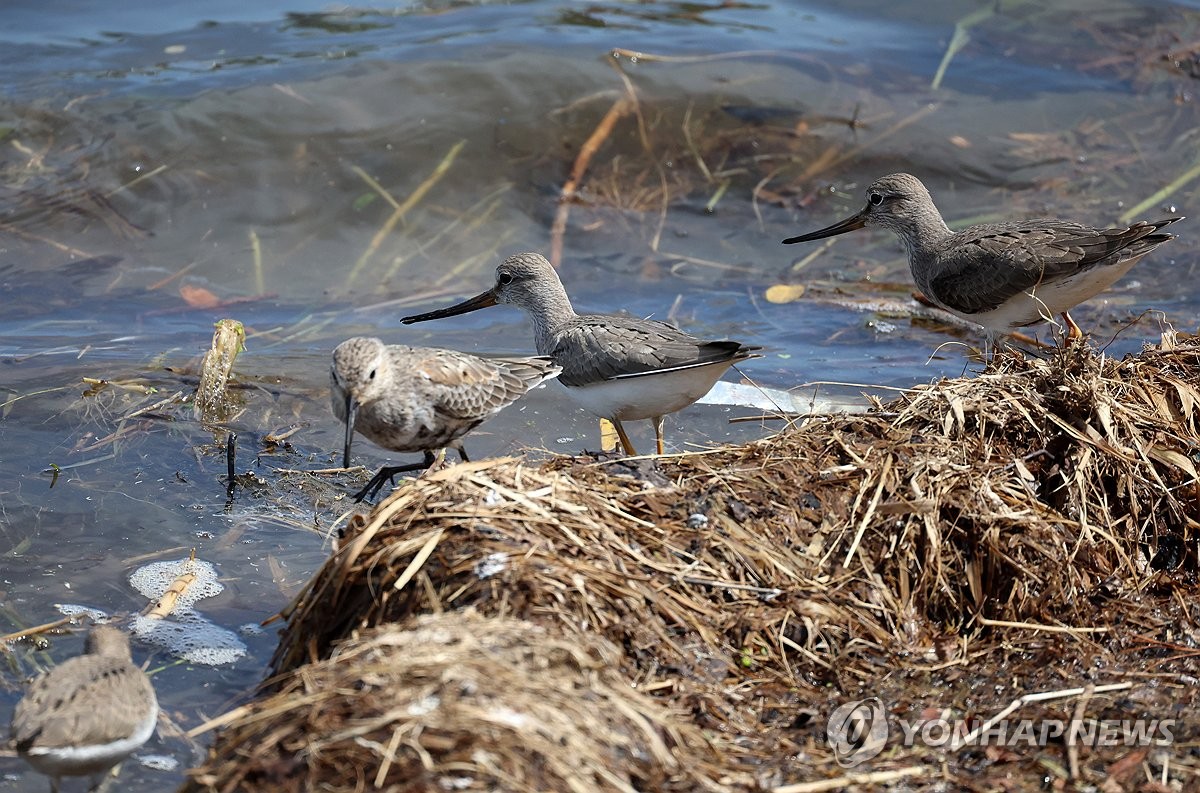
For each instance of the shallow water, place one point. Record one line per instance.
(156, 158)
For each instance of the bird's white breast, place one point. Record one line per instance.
(648, 396)
(83, 759)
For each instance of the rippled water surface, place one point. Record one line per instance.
(318, 174)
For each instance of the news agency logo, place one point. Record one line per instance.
(857, 731)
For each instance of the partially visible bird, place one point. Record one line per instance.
(1002, 276)
(419, 399)
(618, 368)
(88, 713)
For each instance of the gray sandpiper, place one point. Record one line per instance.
(1002, 276)
(618, 368)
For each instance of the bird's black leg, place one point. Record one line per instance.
(388, 474)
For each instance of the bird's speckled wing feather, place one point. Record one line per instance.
(979, 269)
(470, 388)
(82, 679)
(597, 347)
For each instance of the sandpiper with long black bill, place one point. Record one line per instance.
(1002, 276)
(618, 368)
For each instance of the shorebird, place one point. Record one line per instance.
(418, 399)
(1002, 276)
(618, 368)
(88, 713)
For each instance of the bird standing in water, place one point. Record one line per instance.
(418, 399)
(88, 713)
(1002, 276)
(618, 368)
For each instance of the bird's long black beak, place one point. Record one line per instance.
(351, 410)
(483, 300)
(849, 224)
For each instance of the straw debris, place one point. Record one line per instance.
(460, 702)
(975, 542)
(214, 402)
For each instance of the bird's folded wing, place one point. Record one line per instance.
(467, 387)
(609, 347)
(996, 264)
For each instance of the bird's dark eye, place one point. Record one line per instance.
(505, 279)
(875, 198)
(371, 376)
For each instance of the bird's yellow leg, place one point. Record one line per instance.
(1073, 331)
(625, 442)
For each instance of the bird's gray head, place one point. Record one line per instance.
(107, 641)
(359, 369)
(358, 376)
(524, 280)
(898, 202)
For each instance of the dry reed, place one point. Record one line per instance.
(970, 542)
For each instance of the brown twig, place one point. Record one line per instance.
(35, 630)
(620, 108)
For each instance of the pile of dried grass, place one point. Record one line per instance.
(976, 532)
(459, 702)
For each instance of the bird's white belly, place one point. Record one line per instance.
(1046, 301)
(91, 758)
(648, 396)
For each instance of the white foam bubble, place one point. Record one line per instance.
(77, 612)
(154, 579)
(185, 633)
(190, 636)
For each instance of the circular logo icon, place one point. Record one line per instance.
(857, 731)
